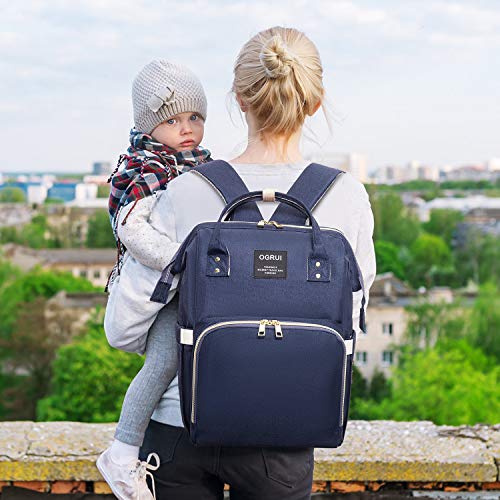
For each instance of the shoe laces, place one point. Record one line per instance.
(142, 470)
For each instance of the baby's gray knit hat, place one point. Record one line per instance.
(163, 89)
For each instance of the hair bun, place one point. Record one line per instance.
(275, 57)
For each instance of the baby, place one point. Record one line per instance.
(170, 109)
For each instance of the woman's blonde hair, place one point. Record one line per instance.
(279, 77)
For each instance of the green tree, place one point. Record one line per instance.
(445, 344)
(380, 387)
(26, 340)
(103, 191)
(416, 185)
(489, 263)
(100, 234)
(90, 380)
(443, 222)
(29, 286)
(53, 201)
(31, 349)
(484, 325)
(427, 321)
(393, 221)
(8, 273)
(387, 256)
(8, 382)
(8, 234)
(429, 254)
(359, 391)
(36, 233)
(484, 184)
(12, 195)
(479, 257)
(453, 383)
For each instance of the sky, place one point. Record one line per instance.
(405, 80)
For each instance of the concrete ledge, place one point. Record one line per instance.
(373, 451)
(385, 450)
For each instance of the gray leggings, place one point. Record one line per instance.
(160, 368)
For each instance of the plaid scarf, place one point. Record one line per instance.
(150, 166)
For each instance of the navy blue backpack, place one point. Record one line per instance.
(264, 331)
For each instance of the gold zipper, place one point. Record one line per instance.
(261, 333)
(263, 223)
(262, 328)
(277, 329)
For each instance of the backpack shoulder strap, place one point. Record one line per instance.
(314, 181)
(224, 179)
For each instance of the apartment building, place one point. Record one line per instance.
(385, 325)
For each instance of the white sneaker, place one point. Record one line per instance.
(128, 482)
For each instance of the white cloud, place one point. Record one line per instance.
(9, 39)
(469, 17)
(343, 12)
(87, 51)
(469, 41)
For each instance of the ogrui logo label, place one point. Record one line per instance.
(269, 264)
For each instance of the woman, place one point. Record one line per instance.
(277, 83)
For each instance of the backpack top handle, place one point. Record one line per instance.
(264, 196)
(218, 263)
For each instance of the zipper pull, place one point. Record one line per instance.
(276, 224)
(277, 329)
(262, 328)
(262, 223)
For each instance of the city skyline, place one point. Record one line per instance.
(403, 80)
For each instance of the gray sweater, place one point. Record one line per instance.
(190, 200)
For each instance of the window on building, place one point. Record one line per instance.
(83, 273)
(387, 358)
(361, 357)
(387, 328)
(97, 273)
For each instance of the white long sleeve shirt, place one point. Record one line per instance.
(190, 200)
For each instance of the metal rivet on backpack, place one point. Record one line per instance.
(318, 264)
(318, 275)
(217, 259)
(217, 270)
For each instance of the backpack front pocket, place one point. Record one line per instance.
(267, 379)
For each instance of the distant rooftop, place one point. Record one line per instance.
(78, 255)
(49, 256)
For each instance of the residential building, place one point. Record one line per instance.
(36, 193)
(470, 173)
(396, 174)
(73, 192)
(386, 322)
(70, 221)
(102, 168)
(100, 180)
(353, 163)
(64, 191)
(488, 204)
(15, 214)
(90, 203)
(72, 310)
(385, 325)
(84, 192)
(94, 264)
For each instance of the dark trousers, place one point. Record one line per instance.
(188, 472)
